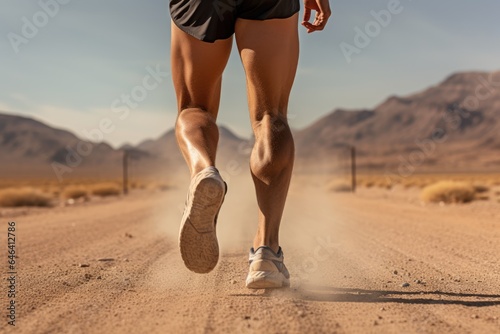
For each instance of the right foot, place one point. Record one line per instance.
(267, 269)
(197, 237)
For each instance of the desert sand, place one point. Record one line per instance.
(113, 266)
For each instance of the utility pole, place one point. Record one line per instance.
(353, 169)
(125, 172)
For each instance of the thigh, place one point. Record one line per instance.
(269, 51)
(197, 68)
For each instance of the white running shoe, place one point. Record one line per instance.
(267, 269)
(197, 237)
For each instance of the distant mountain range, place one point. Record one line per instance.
(32, 149)
(29, 148)
(453, 126)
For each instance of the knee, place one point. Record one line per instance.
(188, 113)
(194, 118)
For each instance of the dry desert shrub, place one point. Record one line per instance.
(368, 184)
(425, 182)
(365, 181)
(52, 190)
(339, 186)
(449, 192)
(383, 183)
(14, 197)
(138, 185)
(480, 188)
(369, 181)
(75, 192)
(105, 189)
(410, 183)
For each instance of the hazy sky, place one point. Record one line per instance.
(73, 68)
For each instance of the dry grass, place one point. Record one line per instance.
(384, 184)
(15, 197)
(54, 191)
(480, 188)
(83, 188)
(370, 181)
(75, 192)
(106, 189)
(138, 185)
(482, 197)
(416, 183)
(449, 192)
(339, 186)
(368, 184)
(41, 192)
(482, 181)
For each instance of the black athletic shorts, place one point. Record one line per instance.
(210, 20)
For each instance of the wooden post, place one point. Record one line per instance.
(125, 172)
(353, 169)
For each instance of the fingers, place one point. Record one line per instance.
(323, 12)
(324, 9)
(307, 15)
(318, 24)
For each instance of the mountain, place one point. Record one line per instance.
(33, 149)
(29, 148)
(454, 125)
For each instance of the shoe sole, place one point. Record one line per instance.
(197, 238)
(266, 280)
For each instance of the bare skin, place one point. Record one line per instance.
(197, 74)
(270, 62)
(323, 13)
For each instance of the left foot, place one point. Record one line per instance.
(197, 237)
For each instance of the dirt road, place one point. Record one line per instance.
(349, 257)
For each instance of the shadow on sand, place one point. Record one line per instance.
(332, 294)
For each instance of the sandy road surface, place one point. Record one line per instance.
(348, 256)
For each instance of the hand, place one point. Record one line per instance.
(323, 12)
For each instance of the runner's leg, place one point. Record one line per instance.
(269, 52)
(197, 74)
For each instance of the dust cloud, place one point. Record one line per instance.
(309, 234)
